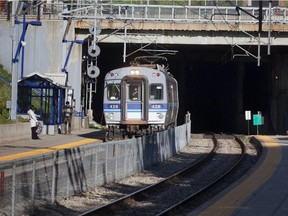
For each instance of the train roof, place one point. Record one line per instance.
(154, 62)
(146, 63)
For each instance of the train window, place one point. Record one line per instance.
(135, 92)
(113, 92)
(156, 92)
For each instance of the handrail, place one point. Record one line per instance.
(171, 13)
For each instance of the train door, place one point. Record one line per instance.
(171, 99)
(134, 107)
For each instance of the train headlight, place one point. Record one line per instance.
(156, 74)
(134, 72)
(113, 74)
(160, 115)
(109, 115)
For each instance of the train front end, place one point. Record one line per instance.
(135, 100)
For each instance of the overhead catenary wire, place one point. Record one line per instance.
(231, 26)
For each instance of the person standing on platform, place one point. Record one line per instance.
(33, 122)
(68, 110)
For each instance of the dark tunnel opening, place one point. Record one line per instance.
(209, 87)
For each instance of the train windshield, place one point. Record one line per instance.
(113, 91)
(156, 92)
(135, 93)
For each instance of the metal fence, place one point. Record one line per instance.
(27, 183)
(149, 12)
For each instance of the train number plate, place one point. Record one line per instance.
(113, 106)
(156, 106)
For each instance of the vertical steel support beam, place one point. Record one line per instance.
(269, 30)
(115, 153)
(33, 186)
(13, 189)
(259, 32)
(53, 187)
(95, 152)
(69, 174)
(125, 41)
(125, 160)
(14, 91)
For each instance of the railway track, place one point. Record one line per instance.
(173, 192)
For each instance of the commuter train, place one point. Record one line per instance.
(140, 99)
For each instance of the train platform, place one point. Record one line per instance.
(48, 143)
(261, 192)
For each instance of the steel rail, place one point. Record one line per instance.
(144, 192)
(178, 206)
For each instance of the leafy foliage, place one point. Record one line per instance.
(5, 95)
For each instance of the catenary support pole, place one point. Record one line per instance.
(14, 91)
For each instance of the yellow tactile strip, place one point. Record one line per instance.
(47, 150)
(239, 194)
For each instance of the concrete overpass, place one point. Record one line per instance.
(200, 34)
(184, 24)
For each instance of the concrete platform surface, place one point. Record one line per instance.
(261, 192)
(27, 147)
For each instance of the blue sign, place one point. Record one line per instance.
(257, 119)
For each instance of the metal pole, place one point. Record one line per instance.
(68, 179)
(125, 39)
(14, 91)
(260, 30)
(13, 189)
(23, 46)
(90, 98)
(94, 30)
(53, 184)
(33, 186)
(269, 29)
(95, 164)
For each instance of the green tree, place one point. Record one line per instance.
(5, 94)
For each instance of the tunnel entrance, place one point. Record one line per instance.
(209, 86)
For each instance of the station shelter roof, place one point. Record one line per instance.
(44, 80)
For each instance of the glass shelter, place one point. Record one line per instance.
(46, 93)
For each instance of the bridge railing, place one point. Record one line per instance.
(171, 13)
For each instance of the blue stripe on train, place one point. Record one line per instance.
(135, 107)
(150, 110)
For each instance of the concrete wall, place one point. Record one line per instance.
(14, 132)
(279, 95)
(44, 52)
(22, 131)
